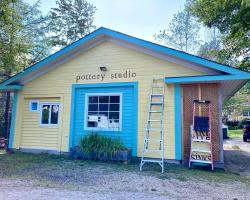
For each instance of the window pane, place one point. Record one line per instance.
(114, 99)
(34, 106)
(93, 99)
(45, 114)
(93, 107)
(103, 99)
(114, 107)
(103, 107)
(54, 114)
(113, 115)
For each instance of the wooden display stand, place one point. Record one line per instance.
(200, 134)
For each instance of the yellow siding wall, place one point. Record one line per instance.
(33, 134)
(57, 83)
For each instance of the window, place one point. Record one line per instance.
(103, 111)
(49, 114)
(33, 106)
(246, 113)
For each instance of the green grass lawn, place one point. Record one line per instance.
(235, 133)
(62, 170)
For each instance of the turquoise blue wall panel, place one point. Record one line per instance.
(13, 120)
(128, 133)
(178, 142)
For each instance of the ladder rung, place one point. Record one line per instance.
(201, 161)
(153, 160)
(157, 140)
(154, 150)
(201, 151)
(154, 129)
(200, 140)
(155, 86)
(155, 120)
(157, 95)
(155, 111)
(156, 103)
(158, 79)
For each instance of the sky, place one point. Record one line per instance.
(139, 18)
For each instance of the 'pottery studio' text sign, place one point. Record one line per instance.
(103, 75)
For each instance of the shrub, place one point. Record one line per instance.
(233, 125)
(100, 145)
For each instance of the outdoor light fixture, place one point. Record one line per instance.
(103, 69)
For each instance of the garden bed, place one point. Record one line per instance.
(98, 147)
(121, 155)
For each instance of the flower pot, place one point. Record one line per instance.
(76, 153)
(124, 155)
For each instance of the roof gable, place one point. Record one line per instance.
(92, 38)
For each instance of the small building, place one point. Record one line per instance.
(101, 83)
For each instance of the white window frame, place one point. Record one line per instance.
(30, 105)
(41, 112)
(87, 109)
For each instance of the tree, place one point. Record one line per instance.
(22, 36)
(35, 27)
(20, 31)
(182, 32)
(11, 46)
(70, 21)
(211, 49)
(231, 18)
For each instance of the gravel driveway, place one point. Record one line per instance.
(237, 156)
(137, 188)
(35, 177)
(233, 143)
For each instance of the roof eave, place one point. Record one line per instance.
(136, 41)
(199, 79)
(10, 88)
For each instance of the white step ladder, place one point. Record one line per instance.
(154, 133)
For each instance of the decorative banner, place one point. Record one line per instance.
(102, 76)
